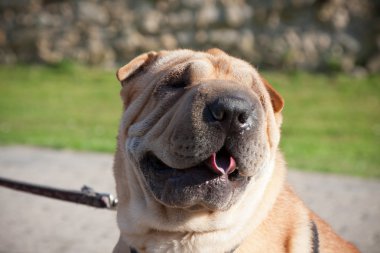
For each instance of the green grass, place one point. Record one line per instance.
(60, 107)
(331, 123)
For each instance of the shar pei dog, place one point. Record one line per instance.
(197, 166)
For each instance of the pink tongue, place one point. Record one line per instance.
(221, 164)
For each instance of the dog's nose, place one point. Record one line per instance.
(234, 113)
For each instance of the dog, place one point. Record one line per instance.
(197, 165)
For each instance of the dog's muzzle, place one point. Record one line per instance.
(213, 153)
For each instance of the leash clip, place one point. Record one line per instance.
(108, 199)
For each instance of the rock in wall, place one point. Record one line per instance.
(280, 34)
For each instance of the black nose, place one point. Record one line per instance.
(234, 113)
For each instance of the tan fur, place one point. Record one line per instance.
(268, 217)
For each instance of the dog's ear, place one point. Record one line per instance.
(276, 99)
(136, 66)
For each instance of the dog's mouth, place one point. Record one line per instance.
(213, 183)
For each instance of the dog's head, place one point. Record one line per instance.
(197, 127)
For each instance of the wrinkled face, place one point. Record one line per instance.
(197, 127)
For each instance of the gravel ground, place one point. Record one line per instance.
(31, 224)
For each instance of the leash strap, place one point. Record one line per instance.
(87, 196)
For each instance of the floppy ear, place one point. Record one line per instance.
(135, 66)
(276, 99)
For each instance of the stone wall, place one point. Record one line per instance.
(287, 34)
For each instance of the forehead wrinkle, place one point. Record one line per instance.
(229, 68)
(221, 65)
(201, 69)
(171, 59)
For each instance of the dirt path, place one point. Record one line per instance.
(31, 224)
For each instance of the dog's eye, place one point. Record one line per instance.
(180, 78)
(169, 86)
(174, 81)
(170, 83)
(177, 84)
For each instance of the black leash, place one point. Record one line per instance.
(86, 196)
